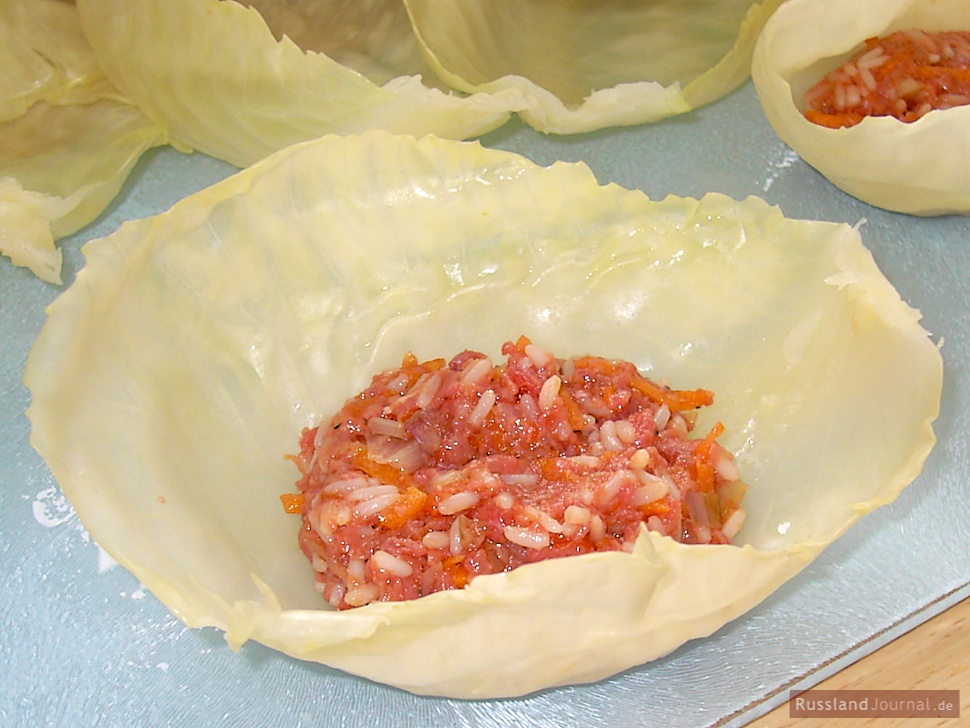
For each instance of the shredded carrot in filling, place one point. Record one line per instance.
(905, 75)
(410, 505)
(706, 452)
(292, 502)
(677, 400)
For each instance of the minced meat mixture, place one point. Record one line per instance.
(442, 471)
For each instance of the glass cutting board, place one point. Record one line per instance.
(83, 643)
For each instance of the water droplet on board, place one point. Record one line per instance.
(51, 508)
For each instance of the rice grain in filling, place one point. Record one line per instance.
(440, 472)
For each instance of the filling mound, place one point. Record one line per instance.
(906, 75)
(442, 471)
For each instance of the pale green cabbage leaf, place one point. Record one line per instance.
(588, 65)
(241, 80)
(44, 55)
(177, 371)
(68, 139)
(917, 168)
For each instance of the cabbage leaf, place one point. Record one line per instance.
(589, 65)
(229, 79)
(68, 139)
(239, 80)
(173, 376)
(917, 168)
(87, 88)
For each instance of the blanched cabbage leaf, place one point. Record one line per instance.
(239, 80)
(177, 371)
(45, 57)
(68, 139)
(917, 168)
(230, 80)
(588, 65)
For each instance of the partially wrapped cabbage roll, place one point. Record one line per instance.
(913, 167)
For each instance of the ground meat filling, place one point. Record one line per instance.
(906, 75)
(442, 471)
